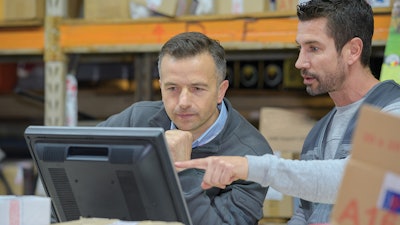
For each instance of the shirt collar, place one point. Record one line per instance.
(212, 131)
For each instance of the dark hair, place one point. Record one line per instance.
(190, 44)
(346, 19)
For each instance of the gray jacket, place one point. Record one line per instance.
(241, 202)
(381, 95)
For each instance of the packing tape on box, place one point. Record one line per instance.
(25, 210)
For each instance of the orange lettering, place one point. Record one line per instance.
(369, 138)
(350, 212)
(199, 25)
(394, 146)
(373, 213)
(389, 219)
(245, 28)
(159, 32)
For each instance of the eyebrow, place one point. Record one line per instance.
(308, 42)
(191, 84)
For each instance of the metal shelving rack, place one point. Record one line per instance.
(55, 38)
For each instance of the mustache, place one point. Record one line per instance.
(307, 73)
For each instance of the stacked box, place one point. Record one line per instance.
(241, 6)
(105, 9)
(17, 10)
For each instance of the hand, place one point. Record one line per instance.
(180, 145)
(219, 170)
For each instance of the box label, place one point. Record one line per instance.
(389, 198)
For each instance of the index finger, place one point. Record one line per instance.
(194, 163)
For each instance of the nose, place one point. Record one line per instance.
(302, 61)
(184, 98)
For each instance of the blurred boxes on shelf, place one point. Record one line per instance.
(241, 6)
(380, 3)
(17, 177)
(17, 10)
(370, 189)
(286, 5)
(133, 9)
(171, 8)
(277, 205)
(284, 129)
(105, 9)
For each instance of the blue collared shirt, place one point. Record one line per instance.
(214, 130)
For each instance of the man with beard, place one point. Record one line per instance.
(334, 39)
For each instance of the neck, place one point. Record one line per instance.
(354, 88)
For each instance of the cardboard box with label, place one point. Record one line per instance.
(370, 189)
(241, 6)
(286, 5)
(171, 8)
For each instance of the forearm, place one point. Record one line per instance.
(316, 181)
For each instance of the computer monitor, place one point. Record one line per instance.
(107, 172)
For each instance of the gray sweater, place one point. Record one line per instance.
(316, 180)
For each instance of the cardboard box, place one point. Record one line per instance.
(241, 6)
(17, 10)
(106, 9)
(25, 210)
(17, 178)
(165, 7)
(370, 189)
(380, 3)
(286, 5)
(74, 9)
(285, 130)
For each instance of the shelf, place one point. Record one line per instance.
(22, 40)
(257, 32)
(233, 33)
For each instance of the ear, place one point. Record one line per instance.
(223, 87)
(354, 50)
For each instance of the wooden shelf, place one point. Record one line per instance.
(233, 33)
(22, 40)
(245, 32)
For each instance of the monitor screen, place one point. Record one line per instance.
(107, 172)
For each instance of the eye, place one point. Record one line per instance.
(170, 88)
(314, 49)
(197, 89)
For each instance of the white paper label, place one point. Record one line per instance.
(389, 197)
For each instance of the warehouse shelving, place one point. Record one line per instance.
(55, 39)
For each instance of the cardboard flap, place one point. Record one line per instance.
(376, 139)
(370, 189)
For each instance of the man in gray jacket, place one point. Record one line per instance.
(192, 71)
